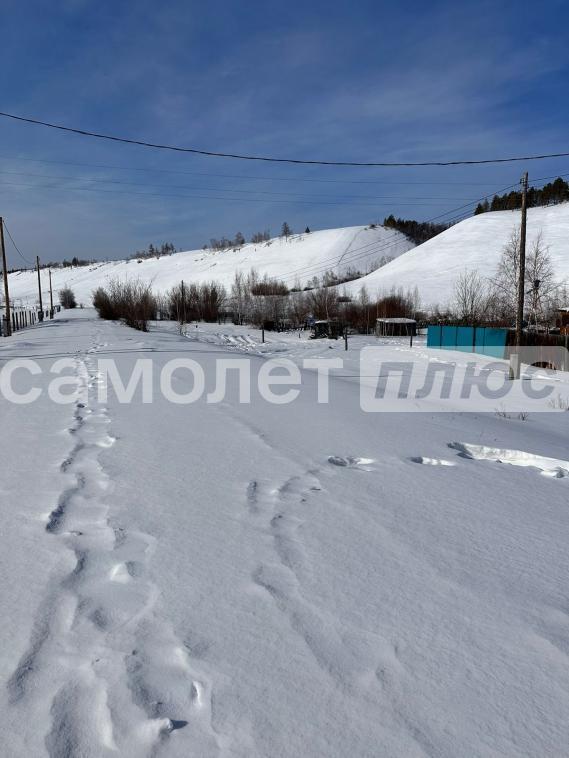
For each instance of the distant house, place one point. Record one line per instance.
(331, 328)
(395, 327)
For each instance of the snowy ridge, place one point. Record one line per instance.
(300, 257)
(473, 244)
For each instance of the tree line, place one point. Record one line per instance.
(166, 248)
(550, 194)
(251, 299)
(226, 243)
(417, 231)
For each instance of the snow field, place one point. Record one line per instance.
(253, 580)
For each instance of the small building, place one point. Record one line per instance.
(395, 327)
(331, 328)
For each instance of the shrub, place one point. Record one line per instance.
(132, 302)
(67, 298)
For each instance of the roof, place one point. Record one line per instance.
(396, 320)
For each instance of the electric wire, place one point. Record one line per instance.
(270, 159)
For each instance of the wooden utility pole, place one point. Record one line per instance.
(5, 270)
(39, 288)
(50, 296)
(522, 262)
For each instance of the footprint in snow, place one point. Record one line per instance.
(431, 461)
(349, 462)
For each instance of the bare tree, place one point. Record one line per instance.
(540, 279)
(324, 302)
(299, 307)
(177, 303)
(241, 296)
(539, 276)
(67, 298)
(365, 304)
(212, 298)
(505, 283)
(470, 297)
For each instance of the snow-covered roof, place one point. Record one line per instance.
(396, 320)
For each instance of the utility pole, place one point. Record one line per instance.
(522, 262)
(50, 296)
(39, 288)
(5, 270)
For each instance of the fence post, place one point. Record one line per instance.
(515, 366)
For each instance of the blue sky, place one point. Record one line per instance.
(332, 80)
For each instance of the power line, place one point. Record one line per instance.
(221, 189)
(544, 178)
(414, 203)
(22, 256)
(247, 177)
(315, 269)
(201, 197)
(384, 244)
(353, 255)
(349, 256)
(266, 159)
(458, 214)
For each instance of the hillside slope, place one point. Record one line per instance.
(300, 257)
(473, 244)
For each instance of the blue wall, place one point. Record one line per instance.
(469, 339)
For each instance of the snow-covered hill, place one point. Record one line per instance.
(299, 258)
(474, 244)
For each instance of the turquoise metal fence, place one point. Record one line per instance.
(481, 339)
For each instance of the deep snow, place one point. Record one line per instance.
(263, 580)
